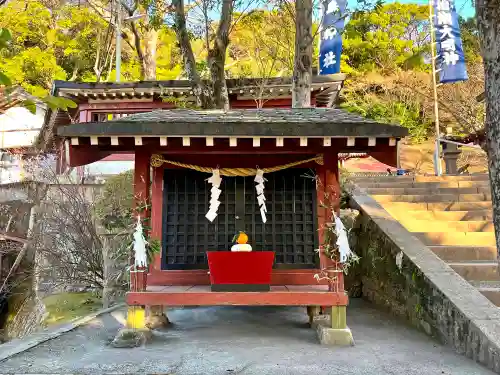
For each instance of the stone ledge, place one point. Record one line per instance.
(424, 289)
(17, 346)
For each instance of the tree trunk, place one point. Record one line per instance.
(149, 56)
(488, 22)
(302, 68)
(217, 56)
(200, 90)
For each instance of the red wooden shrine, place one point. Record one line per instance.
(239, 139)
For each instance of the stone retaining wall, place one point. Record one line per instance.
(403, 276)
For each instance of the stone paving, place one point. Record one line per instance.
(246, 340)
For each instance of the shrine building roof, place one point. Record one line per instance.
(305, 122)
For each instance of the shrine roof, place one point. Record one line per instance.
(307, 122)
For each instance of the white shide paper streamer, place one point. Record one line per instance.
(140, 255)
(215, 180)
(342, 240)
(261, 199)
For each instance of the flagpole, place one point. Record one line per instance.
(322, 14)
(437, 159)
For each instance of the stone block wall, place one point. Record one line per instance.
(401, 275)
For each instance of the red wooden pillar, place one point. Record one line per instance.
(142, 182)
(157, 210)
(157, 203)
(328, 196)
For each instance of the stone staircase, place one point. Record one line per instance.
(451, 215)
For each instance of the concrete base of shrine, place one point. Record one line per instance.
(333, 336)
(131, 337)
(324, 320)
(157, 321)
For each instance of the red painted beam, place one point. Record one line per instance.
(157, 203)
(124, 107)
(208, 298)
(83, 156)
(201, 277)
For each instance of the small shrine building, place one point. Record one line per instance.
(176, 151)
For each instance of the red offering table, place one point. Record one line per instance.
(240, 271)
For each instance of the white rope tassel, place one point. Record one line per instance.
(261, 199)
(342, 240)
(215, 180)
(140, 254)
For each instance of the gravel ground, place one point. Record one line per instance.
(246, 340)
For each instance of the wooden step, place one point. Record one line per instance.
(477, 271)
(438, 206)
(480, 215)
(457, 239)
(465, 253)
(434, 198)
(431, 226)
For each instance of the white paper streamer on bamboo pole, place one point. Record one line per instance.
(342, 240)
(215, 180)
(140, 254)
(261, 199)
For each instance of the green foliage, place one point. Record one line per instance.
(470, 39)
(65, 307)
(58, 102)
(153, 248)
(387, 38)
(395, 112)
(116, 202)
(5, 38)
(48, 41)
(27, 62)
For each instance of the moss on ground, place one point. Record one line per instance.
(65, 307)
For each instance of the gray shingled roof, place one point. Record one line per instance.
(247, 122)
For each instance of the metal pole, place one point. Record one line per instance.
(321, 11)
(118, 41)
(437, 155)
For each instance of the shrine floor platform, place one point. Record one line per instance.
(201, 295)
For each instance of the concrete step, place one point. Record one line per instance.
(479, 215)
(465, 253)
(471, 177)
(431, 226)
(381, 179)
(485, 284)
(477, 271)
(438, 206)
(426, 191)
(439, 198)
(457, 239)
(490, 289)
(430, 185)
(493, 294)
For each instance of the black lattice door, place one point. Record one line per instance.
(290, 230)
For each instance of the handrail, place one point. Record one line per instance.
(460, 144)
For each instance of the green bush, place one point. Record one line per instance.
(116, 202)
